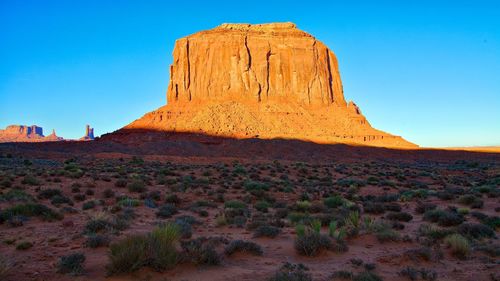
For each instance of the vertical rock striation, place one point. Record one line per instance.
(256, 63)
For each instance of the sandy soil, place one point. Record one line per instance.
(360, 179)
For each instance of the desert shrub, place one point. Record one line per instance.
(127, 255)
(352, 223)
(98, 223)
(316, 226)
(185, 228)
(351, 182)
(156, 250)
(79, 197)
(342, 274)
(424, 207)
(49, 193)
(298, 217)
(373, 208)
(30, 210)
(173, 199)
(400, 216)
(302, 206)
(121, 183)
(16, 195)
(137, 186)
(220, 220)
(445, 195)
(458, 244)
(30, 180)
(267, 231)
(433, 232)
(471, 200)
(166, 211)
(187, 219)
(234, 204)
(91, 204)
(366, 276)
(243, 246)
(24, 245)
(128, 202)
(281, 213)
(317, 207)
(491, 221)
(300, 229)
(335, 232)
(424, 253)
(312, 243)
(392, 206)
(385, 233)
(58, 199)
(463, 211)
(108, 193)
(6, 183)
(255, 186)
(476, 231)
(262, 206)
(71, 264)
(161, 247)
(16, 221)
(443, 218)
(236, 217)
(413, 274)
(333, 201)
(150, 203)
(291, 272)
(200, 253)
(97, 240)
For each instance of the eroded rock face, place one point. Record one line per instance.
(255, 62)
(266, 81)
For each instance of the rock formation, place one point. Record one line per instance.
(22, 133)
(53, 137)
(89, 133)
(265, 81)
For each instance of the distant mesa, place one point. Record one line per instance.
(259, 80)
(34, 133)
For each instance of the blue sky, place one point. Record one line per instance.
(426, 70)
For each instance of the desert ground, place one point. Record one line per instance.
(286, 211)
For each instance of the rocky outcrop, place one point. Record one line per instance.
(89, 133)
(265, 81)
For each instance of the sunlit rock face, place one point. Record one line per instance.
(263, 80)
(256, 63)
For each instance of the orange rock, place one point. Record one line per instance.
(264, 80)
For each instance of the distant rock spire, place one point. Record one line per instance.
(89, 133)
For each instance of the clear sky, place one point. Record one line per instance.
(426, 70)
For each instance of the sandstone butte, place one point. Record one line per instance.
(260, 81)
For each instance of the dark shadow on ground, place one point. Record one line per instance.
(175, 144)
